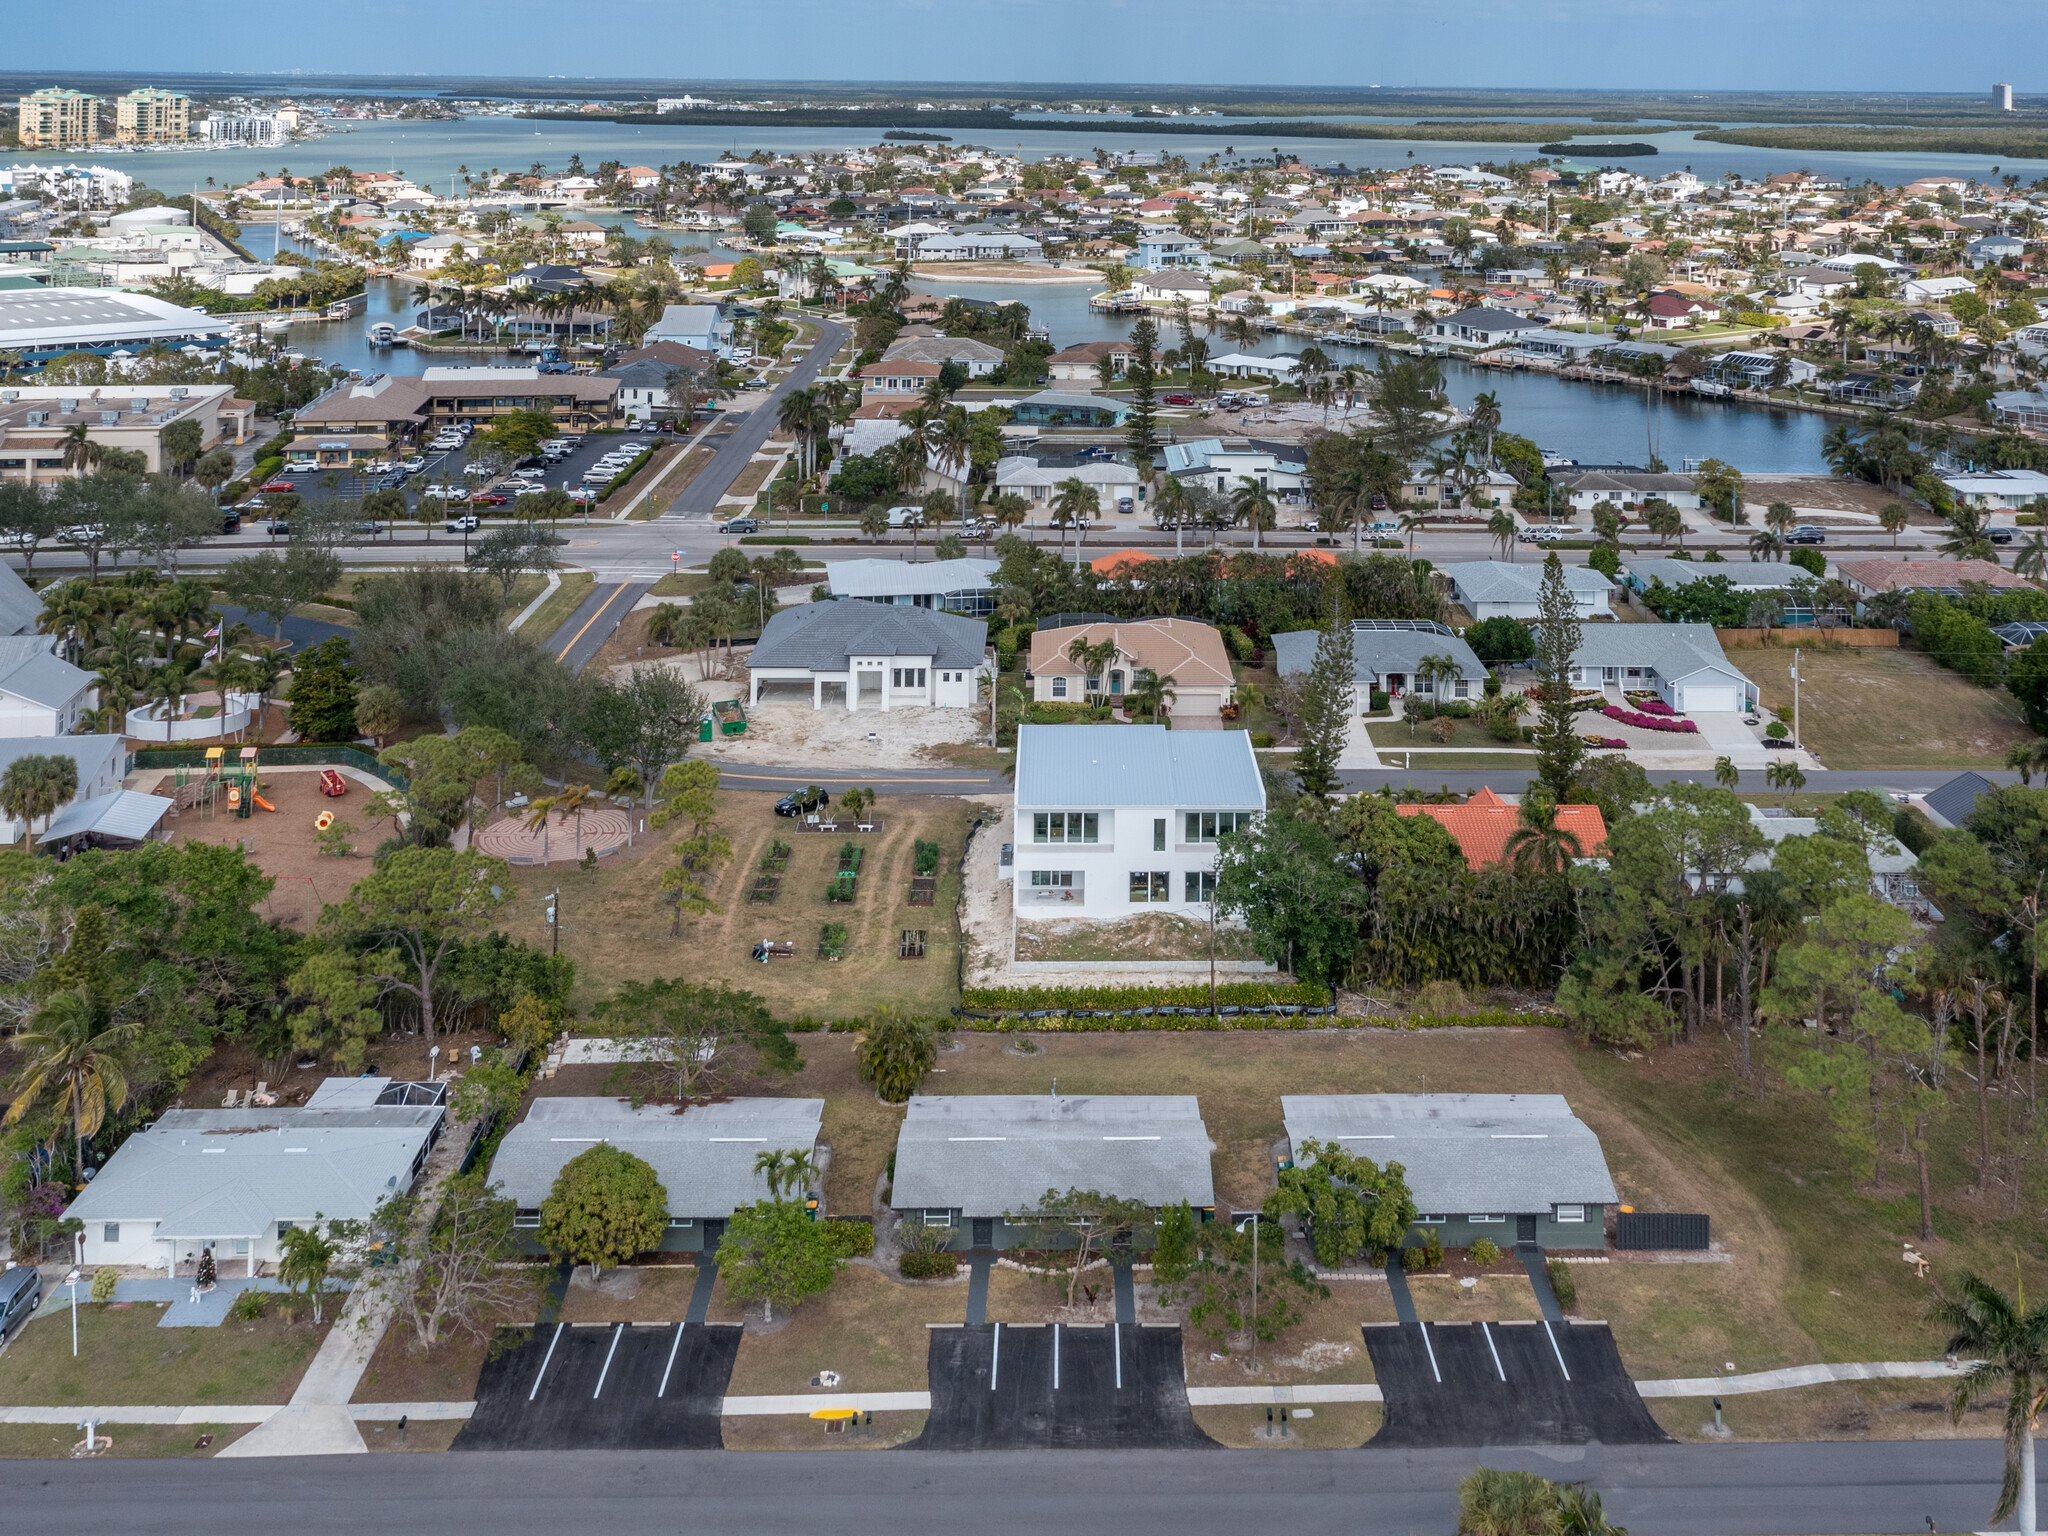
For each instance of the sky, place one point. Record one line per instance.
(1873, 45)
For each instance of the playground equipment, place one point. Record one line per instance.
(332, 783)
(323, 821)
(259, 800)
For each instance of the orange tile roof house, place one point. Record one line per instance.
(901, 377)
(1484, 823)
(1186, 650)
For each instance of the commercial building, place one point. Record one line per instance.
(254, 128)
(152, 115)
(977, 1163)
(1116, 819)
(1514, 1168)
(57, 118)
(442, 396)
(36, 418)
(41, 323)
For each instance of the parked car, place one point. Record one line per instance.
(277, 485)
(905, 517)
(278, 528)
(1999, 535)
(490, 499)
(1806, 533)
(803, 802)
(412, 465)
(740, 525)
(369, 530)
(582, 495)
(1125, 504)
(466, 522)
(21, 1292)
(231, 520)
(1176, 399)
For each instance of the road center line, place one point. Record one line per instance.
(617, 593)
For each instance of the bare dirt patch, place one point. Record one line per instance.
(1148, 936)
(1822, 494)
(835, 740)
(282, 843)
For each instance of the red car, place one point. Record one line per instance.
(490, 501)
(1176, 399)
(278, 485)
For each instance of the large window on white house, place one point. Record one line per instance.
(1571, 1213)
(1066, 826)
(1151, 885)
(1200, 885)
(1053, 879)
(1207, 826)
(906, 677)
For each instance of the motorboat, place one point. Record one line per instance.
(382, 334)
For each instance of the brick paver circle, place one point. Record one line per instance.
(604, 828)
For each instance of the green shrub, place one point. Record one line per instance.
(927, 857)
(247, 1307)
(832, 941)
(1528, 733)
(928, 1266)
(1229, 994)
(1776, 730)
(1414, 1259)
(1484, 1251)
(1379, 702)
(1238, 642)
(619, 480)
(1561, 1282)
(850, 1239)
(1263, 738)
(1912, 828)
(104, 1279)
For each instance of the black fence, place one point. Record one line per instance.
(1659, 1229)
(195, 757)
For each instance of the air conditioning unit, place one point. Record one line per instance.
(138, 406)
(67, 406)
(180, 392)
(110, 418)
(9, 396)
(39, 418)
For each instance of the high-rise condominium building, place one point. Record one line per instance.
(56, 118)
(152, 115)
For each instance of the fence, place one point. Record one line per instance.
(1641, 1230)
(285, 757)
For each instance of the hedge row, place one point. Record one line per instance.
(619, 481)
(1114, 999)
(850, 1237)
(1486, 1018)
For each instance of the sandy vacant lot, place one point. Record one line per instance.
(830, 739)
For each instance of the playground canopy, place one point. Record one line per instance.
(125, 814)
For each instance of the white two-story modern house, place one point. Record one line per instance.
(1117, 819)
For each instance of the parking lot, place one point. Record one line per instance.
(605, 1386)
(1481, 1384)
(1103, 1388)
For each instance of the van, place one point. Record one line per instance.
(21, 1292)
(906, 517)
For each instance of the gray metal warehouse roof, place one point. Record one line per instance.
(1465, 1153)
(703, 1154)
(1082, 765)
(995, 1154)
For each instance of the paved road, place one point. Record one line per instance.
(594, 620)
(1818, 780)
(700, 496)
(1855, 1489)
(885, 781)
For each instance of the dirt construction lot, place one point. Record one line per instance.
(784, 733)
(1889, 709)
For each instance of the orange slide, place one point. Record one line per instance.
(258, 799)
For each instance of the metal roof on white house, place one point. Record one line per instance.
(905, 578)
(1498, 581)
(1464, 1153)
(702, 1153)
(998, 1154)
(1083, 765)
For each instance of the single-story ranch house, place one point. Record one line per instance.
(703, 1154)
(868, 656)
(970, 1163)
(236, 1180)
(1116, 819)
(1682, 663)
(1512, 1167)
(1385, 654)
(965, 585)
(1491, 589)
(1741, 575)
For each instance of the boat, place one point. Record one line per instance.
(276, 327)
(382, 334)
(1711, 388)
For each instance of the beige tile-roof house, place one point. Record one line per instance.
(1186, 650)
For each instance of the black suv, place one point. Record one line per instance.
(1806, 533)
(803, 802)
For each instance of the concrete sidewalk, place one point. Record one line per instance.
(1800, 1376)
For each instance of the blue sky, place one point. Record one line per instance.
(1882, 45)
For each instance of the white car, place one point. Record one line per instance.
(445, 444)
(412, 465)
(634, 449)
(455, 491)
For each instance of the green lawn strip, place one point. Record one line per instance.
(125, 1359)
(554, 613)
(1464, 733)
(25, 1441)
(1432, 762)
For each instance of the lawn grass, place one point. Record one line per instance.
(1432, 762)
(419, 1435)
(1324, 1427)
(125, 1359)
(652, 1293)
(1889, 709)
(753, 477)
(1495, 1299)
(1326, 1346)
(784, 1432)
(1469, 734)
(20, 1441)
(678, 482)
(554, 613)
(617, 925)
(869, 1327)
(401, 1372)
(1843, 1410)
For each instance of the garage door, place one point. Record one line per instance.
(1697, 699)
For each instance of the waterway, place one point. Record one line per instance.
(434, 153)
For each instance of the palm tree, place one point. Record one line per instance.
(1154, 695)
(80, 452)
(1252, 502)
(2026, 758)
(1172, 502)
(34, 786)
(1074, 500)
(1539, 844)
(1726, 774)
(1501, 527)
(1968, 537)
(1765, 545)
(72, 1053)
(2031, 559)
(1893, 520)
(2007, 1344)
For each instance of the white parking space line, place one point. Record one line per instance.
(540, 1375)
(1492, 1351)
(1439, 1375)
(1555, 1350)
(607, 1370)
(995, 1357)
(662, 1390)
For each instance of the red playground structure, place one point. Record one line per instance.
(332, 783)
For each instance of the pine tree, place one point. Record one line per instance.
(1558, 748)
(1327, 699)
(1142, 424)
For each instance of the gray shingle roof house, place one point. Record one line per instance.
(234, 1180)
(1742, 575)
(967, 1162)
(1386, 658)
(19, 607)
(1489, 589)
(869, 656)
(1512, 1167)
(703, 1154)
(1484, 327)
(1953, 802)
(1683, 663)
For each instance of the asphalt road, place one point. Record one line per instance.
(1850, 1488)
(594, 620)
(1819, 780)
(700, 496)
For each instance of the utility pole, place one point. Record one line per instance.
(555, 920)
(1795, 695)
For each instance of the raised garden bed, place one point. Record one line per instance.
(766, 887)
(832, 943)
(924, 890)
(911, 945)
(776, 859)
